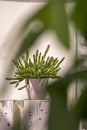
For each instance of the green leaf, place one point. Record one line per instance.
(80, 108)
(46, 51)
(60, 118)
(28, 41)
(79, 16)
(22, 87)
(54, 17)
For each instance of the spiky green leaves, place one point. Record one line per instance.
(40, 67)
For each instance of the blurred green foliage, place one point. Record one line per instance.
(54, 17)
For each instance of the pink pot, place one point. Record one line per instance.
(36, 88)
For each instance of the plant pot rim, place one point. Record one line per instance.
(56, 77)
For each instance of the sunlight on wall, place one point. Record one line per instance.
(10, 13)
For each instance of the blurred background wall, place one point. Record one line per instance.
(12, 14)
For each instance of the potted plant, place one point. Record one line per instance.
(36, 73)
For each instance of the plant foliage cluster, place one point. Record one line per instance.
(40, 67)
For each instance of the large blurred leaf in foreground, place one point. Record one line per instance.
(61, 117)
(53, 16)
(81, 105)
(79, 16)
(28, 40)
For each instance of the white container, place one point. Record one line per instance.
(36, 88)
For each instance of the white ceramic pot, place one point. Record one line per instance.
(36, 88)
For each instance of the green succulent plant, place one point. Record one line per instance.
(40, 67)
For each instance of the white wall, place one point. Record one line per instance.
(11, 13)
